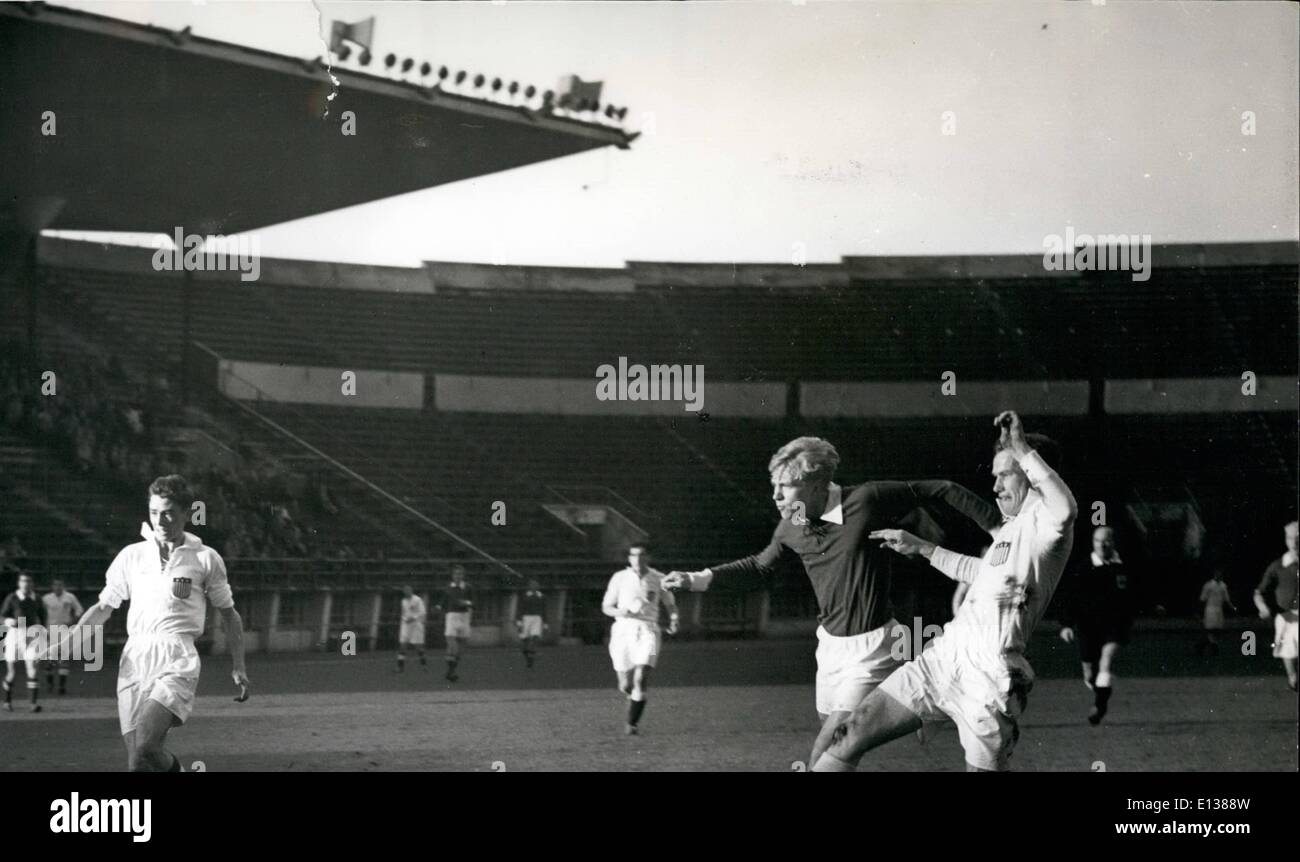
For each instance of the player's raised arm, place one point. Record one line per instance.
(1061, 507)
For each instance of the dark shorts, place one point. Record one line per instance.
(1093, 634)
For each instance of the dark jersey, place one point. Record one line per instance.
(532, 604)
(30, 610)
(1099, 595)
(457, 600)
(849, 572)
(1281, 588)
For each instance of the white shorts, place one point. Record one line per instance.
(849, 667)
(411, 633)
(985, 702)
(162, 668)
(633, 643)
(17, 651)
(457, 625)
(531, 626)
(1286, 637)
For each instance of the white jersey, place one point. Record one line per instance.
(1014, 582)
(639, 597)
(171, 598)
(61, 610)
(413, 610)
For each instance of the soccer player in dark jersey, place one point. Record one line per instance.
(827, 526)
(1097, 613)
(531, 621)
(1278, 597)
(457, 608)
(20, 611)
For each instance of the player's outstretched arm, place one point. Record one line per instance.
(959, 498)
(234, 626)
(96, 616)
(959, 567)
(762, 563)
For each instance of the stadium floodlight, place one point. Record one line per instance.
(460, 77)
(530, 91)
(365, 57)
(407, 64)
(344, 52)
(496, 84)
(389, 60)
(478, 80)
(513, 89)
(425, 69)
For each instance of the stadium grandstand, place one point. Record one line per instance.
(476, 386)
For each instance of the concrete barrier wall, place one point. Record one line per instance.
(971, 398)
(1200, 395)
(296, 384)
(568, 397)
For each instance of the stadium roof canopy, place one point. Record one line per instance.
(158, 129)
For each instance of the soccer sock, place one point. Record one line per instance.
(634, 708)
(423, 660)
(63, 680)
(401, 661)
(34, 689)
(9, 692)
(1103, 696)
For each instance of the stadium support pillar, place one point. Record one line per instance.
(764, 610)
(556, 606)
(323, 605)
(376, 608)
(509, 613)
(272, 619)
(691, 614)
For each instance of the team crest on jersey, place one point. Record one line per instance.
(181, 587)
(999, 554)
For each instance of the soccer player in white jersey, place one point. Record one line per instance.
(61, 609)
(976, 672)
(169, 578)
(412, 630)
(633, 599)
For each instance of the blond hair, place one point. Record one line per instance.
(804, 459)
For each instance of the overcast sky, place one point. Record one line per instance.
(771, 123)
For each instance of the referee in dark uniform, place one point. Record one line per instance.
(1097, 613)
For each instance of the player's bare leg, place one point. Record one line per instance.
(878, 720)
(1290, 665)
(145, 751)
(401, 657)
(530, 651)
(625, 681)
(1102, 684)
(453, 658)
(636, 698)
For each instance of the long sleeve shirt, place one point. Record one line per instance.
(850, 573)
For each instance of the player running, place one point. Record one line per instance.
(1278, 596)
(976, 672)
(457, 608)
(633, 598)
(827, 527)
(531, 621)
(21, 611)
(411, 633)
(169, 577)
(1098, 615)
